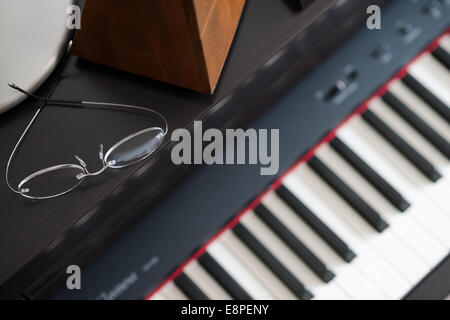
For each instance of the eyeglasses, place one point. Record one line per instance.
(60, 179)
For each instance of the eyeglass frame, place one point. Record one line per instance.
(82, 165)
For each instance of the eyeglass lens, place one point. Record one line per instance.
(51, 182)
(61, 179)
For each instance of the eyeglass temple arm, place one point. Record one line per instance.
(88, 103)
(14, 152)
(64, 101)
(12, 85)
(63, 59)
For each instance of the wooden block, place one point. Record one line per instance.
(182, 42)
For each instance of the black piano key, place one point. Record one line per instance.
(422, 164)
(316, 265)
(364, 210)
(389, 192)
(443, 56)
(434, 102)
(189, 288)
(223, 278)
(272, 262)
(421, 126)
(333, 240)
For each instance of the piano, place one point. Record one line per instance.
(360, 208)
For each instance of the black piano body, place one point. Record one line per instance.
(130, 232)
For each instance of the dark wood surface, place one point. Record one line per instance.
(179, 42)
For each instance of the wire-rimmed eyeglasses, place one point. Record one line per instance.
(60, 179)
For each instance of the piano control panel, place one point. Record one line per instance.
(360, 209)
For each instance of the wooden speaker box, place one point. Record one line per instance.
(182, 42)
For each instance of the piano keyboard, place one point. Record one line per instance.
(364, 215)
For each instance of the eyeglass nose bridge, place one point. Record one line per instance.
(90, 174)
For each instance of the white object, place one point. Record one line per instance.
(33, 36)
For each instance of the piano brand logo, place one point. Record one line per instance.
(374, 20)
(120, 288)
(73, 17)
(237, 147)
(74, 280)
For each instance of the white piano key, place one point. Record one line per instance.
(205, 282)
(349, 225)
(436, 68)
(172, 292)
(445, 43)
(414, 138)
(320, 290)
(239, 272)
(440, 190)
(348, 277)
(396, 242)
(433, 76)
(424, 111)
(257, 267)
(158, 296)
(366, 143)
